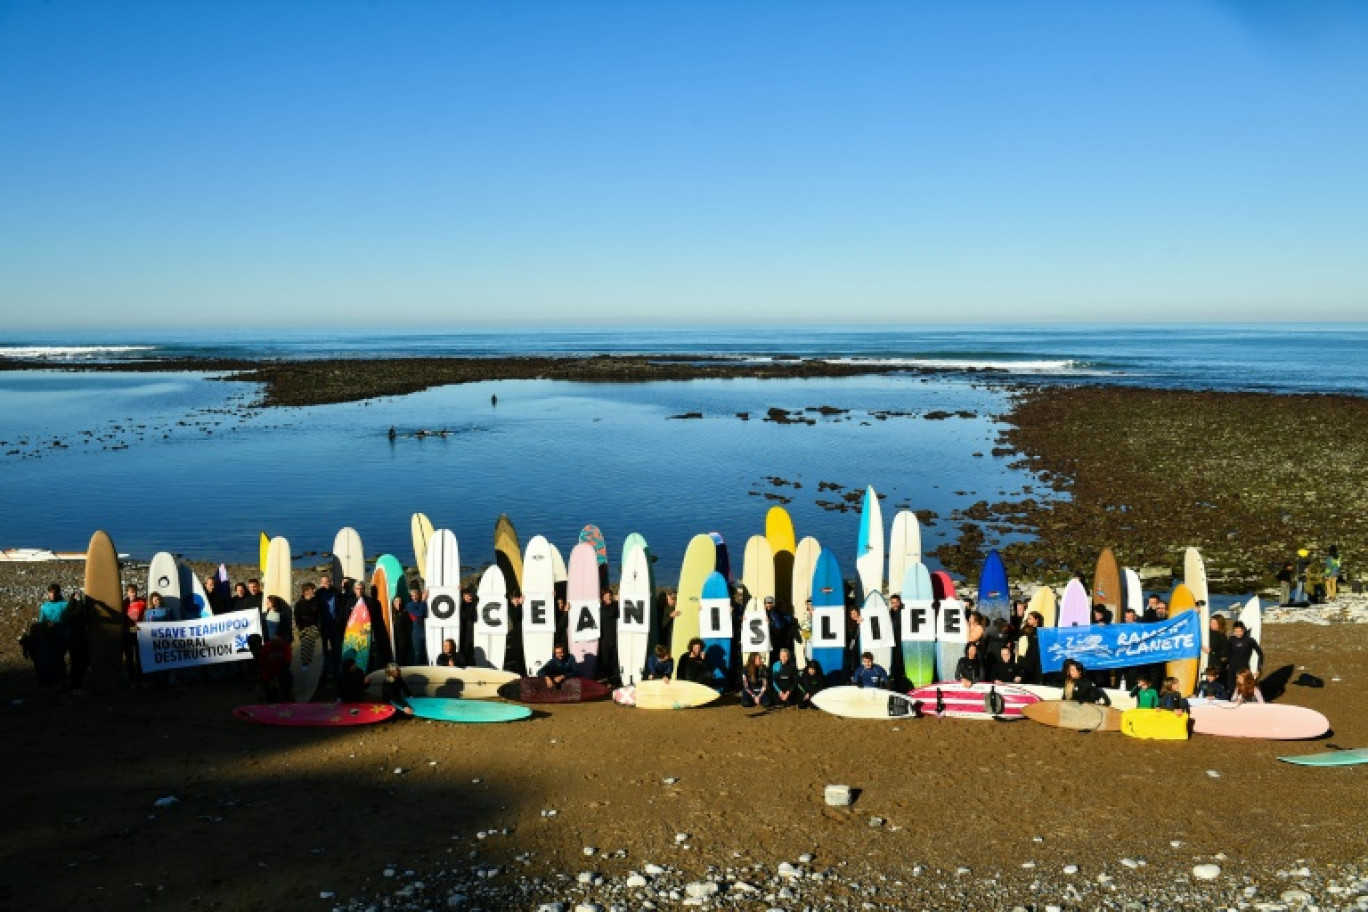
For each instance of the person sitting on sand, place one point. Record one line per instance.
(693, 666)
(659, 664)
(1211, 688)
(396, 691)
(784, 678)
(351, 682)
(1171, 697)
(1246, 689)
(1081, 688)
(967, 669)
(811, 680)
(1007, 670)
(1146, 697)
(273, 665)
(755, 682)
(559, 668)
(869, 674)
(450, 656)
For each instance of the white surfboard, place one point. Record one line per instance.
(491, 619)
(442, 573)
(869, 560)
(1195, 578)
(952, 632)
(539, 603)
(420, 528)
(865, 703)
(164, 578)
(804, 564)
(904, 548)
(754, 635)
(634, 616)
(347, 550)
(1251, 615)
(877, 633)
(757, 569)
(1135, 592)
(558, 565)
(278, 581)
(194, 600)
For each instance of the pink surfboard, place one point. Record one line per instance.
(1074, 609)
(953, 699)
(326, 715)
(1269, 721)
(942, 586)
(586, 620)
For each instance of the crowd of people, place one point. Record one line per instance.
(997, 650)
(1306, 581)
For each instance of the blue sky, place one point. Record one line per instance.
(452, 163)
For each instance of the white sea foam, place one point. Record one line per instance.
(1058, 366)
(68, 352)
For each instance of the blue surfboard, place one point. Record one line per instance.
(827, 642)
(716, 628)
(445, 709)
(994, 598)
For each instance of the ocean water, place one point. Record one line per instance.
(180, 462)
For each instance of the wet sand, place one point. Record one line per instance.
(270, 818)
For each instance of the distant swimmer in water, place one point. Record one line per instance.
(392, 433)
(493, 400)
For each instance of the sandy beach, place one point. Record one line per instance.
(950, 814)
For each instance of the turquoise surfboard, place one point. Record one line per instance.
(1331, 758)
(717, 649)
(444, 709)
(827, 642)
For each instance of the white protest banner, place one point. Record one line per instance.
(163, 645)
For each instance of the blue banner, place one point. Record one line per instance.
(1100, 646)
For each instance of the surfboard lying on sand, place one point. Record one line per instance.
(665, 695)
(1155, 724)
(1331, 758)
(1268, 721)
(866, 703)
(468, 683)
(444, 709)
(325, 715)
(1074, 716)
(953, 699)
(536, 690)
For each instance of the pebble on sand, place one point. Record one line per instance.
(1206, 871)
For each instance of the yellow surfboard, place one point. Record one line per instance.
(779, 530)
(508, 553)
(1185, 670)
(1047, 603)
(1155, 724)
(699, 560)
(265, 547)
(421, 529)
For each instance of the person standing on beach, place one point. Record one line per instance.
(50, 634)
(220, 602)
(133, 607)
(417, 609)
(1299, 576)
(666, 612)
(307, 618)
(1284, 577)
(332, 623)
(1332, 573)
(1242, 649)
(1028, 646)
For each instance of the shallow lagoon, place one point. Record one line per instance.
(201, 473)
